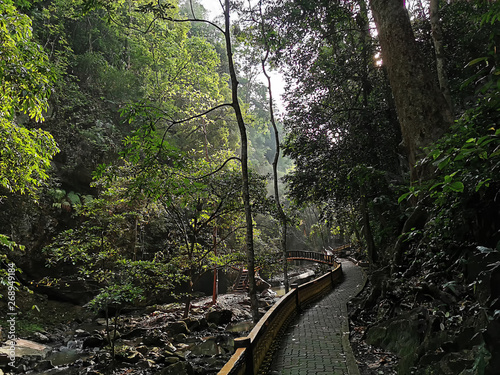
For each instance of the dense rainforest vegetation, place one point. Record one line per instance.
(140, 151)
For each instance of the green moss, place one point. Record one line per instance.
(400, 336)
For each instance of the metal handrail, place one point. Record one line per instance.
(317, 257)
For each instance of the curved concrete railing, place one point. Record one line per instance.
(252, 350)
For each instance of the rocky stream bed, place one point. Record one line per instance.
(153, 340)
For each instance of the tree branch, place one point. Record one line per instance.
(218, 169)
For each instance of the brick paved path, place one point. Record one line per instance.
(317, 341)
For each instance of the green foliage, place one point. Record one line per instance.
(5, 242)
(162, 182)
(24, 157)
(175, 193)
(25, 86)
(116, 296)
(486, 78)
(26, 81)
(104, 247)
(28, 328)
(469, 28)
(165, 80)
(466, 160)
(6, 279)
(26, 76)
(467, 165)
(338, 114)
(474, 153)
(57, 194)
(11, 245)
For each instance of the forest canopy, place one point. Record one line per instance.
(141, 149)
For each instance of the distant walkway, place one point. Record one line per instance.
(317, 341)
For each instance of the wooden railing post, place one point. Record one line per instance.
(295, 286)
(245, 342)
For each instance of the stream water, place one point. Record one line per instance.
(207, 352)
(239, 327)
(279, 290)
(66, 356)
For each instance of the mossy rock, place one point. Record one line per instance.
(178, 368)
(456, 362)
(219, 317)
(176, 328)
(402, 335)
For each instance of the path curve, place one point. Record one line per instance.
(317, 341)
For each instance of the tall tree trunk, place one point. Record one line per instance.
(370, 243)
(281, 213)
(244, 167)
(279, 207)
(215, 290)
(366, 53)
(422, 110)
(437, 38)
(134, 237)
(187, 305)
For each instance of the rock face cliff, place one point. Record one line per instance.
(88, 132)
(440, 320)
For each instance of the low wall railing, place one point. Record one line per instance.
(250, 351)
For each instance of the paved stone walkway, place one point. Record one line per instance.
(317, 341)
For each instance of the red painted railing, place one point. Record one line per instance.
(328, 257)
